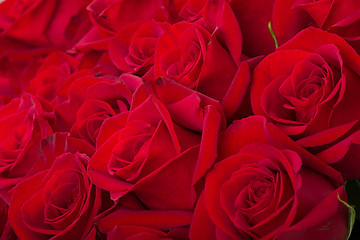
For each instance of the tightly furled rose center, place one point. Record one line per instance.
(306, 87)
(61, 200)
(181, 52)
(259, 189)
(312, 83)
(133, 47)
(57, 203)
(131, 149)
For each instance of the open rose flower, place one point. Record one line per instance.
(265, 187)
(190, 53)
(57, 203)
(144, 150)
(339, 17)
(121, 19)
(133, 47)
(309, 89)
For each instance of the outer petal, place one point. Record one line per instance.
(202, 227)
(221, 19)
(24, 191)
(311, 38)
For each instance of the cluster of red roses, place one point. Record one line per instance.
(177, 119)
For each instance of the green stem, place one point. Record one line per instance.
(273, 34)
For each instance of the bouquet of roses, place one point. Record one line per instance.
(179, 119)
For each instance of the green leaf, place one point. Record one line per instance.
(273, 34)
(351, 218)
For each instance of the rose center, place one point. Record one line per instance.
(128, 150)
(304, 89)
(260, 189)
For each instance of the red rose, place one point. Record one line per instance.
(60, 203)
(133, 47)
(181, 52)
(143, 151)
(340, 17)
(44, 23)
(110, 17)
(190, 53)
(22, 129)
(309, 89)
(263, 188)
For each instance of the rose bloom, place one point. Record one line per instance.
(265, 186)
(125, 32)
(56, 203)
(339, 17)
(132, 48)
(309, 89)
(190, 53)
(156, 152)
